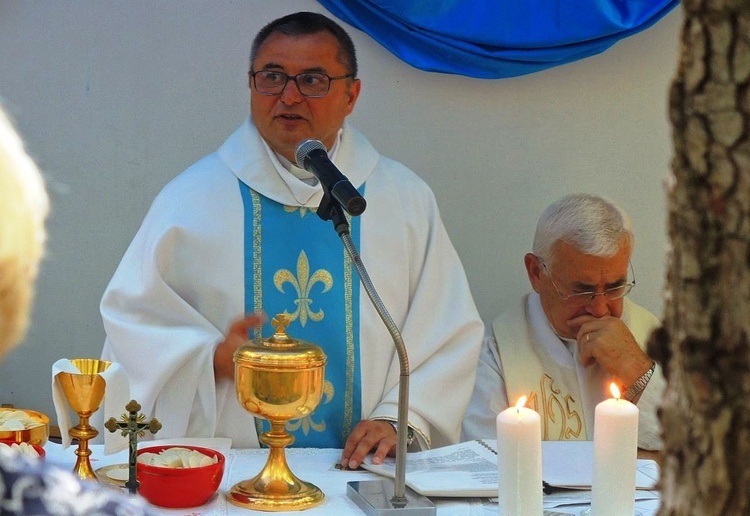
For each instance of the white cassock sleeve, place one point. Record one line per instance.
(171, 299)
(489, 397)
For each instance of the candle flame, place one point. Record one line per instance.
(521, 402)
(615, 391)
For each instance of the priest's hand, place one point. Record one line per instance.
(369, 435)
(608, 342)
(237, 335)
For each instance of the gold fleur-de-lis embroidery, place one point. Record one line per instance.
(303, 210)
(307, 423)
(303, 284)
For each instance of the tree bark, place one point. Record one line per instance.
(704, 345)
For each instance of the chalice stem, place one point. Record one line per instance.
(276, 468)
(275, 488)
(83, 432)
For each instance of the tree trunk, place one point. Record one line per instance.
(704, 345)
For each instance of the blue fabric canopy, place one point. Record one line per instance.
(493, 39)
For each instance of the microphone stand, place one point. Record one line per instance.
(372, 496)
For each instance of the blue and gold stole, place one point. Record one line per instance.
(296, 265)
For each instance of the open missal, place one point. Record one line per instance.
(469, 469)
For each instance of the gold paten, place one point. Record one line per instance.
(84, 392)
(279, 380)
(37, 434)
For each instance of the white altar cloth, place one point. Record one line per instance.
(309, 464)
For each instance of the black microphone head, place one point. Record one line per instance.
(356, 206)
(304, 148)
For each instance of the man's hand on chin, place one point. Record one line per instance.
(608, 342)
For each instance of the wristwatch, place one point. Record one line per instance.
(409, 435)
(640, 384)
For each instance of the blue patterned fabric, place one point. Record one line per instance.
(30, 487)
(498, 38)
(296, 265)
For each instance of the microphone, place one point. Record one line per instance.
(312, 156)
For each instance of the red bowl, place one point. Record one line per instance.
(39, 450)
(179, 488)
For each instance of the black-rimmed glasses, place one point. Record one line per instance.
(309, 84)
(611, 294)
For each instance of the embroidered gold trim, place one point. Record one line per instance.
(350, 356)
(257, 267)
(551, 406)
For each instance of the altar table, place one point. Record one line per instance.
(309, 464)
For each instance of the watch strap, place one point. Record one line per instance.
(640, 384)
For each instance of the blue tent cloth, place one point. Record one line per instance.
(495, 39)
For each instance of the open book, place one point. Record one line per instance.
(469, 469)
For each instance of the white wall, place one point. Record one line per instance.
(116, 98)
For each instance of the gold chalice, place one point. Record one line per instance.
(84, 392)
(279, 380)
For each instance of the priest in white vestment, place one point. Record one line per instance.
(565, 343)
(237, 233)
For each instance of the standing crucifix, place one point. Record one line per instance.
(133, 425)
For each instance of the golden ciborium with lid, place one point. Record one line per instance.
(280, 379)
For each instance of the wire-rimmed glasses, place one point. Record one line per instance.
(611, 294)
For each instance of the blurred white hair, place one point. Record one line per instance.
(23, 210)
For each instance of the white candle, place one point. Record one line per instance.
(615, 457)
(519, 461)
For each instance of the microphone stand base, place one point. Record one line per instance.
(374, 498)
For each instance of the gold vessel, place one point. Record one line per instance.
(38, 434)
(84, 392)
(279, 380)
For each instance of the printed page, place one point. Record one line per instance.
(461, 470)
(469, 469)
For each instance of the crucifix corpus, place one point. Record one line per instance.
(133, 425)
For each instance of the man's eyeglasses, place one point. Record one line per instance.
(310, 84)
(611, 294)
